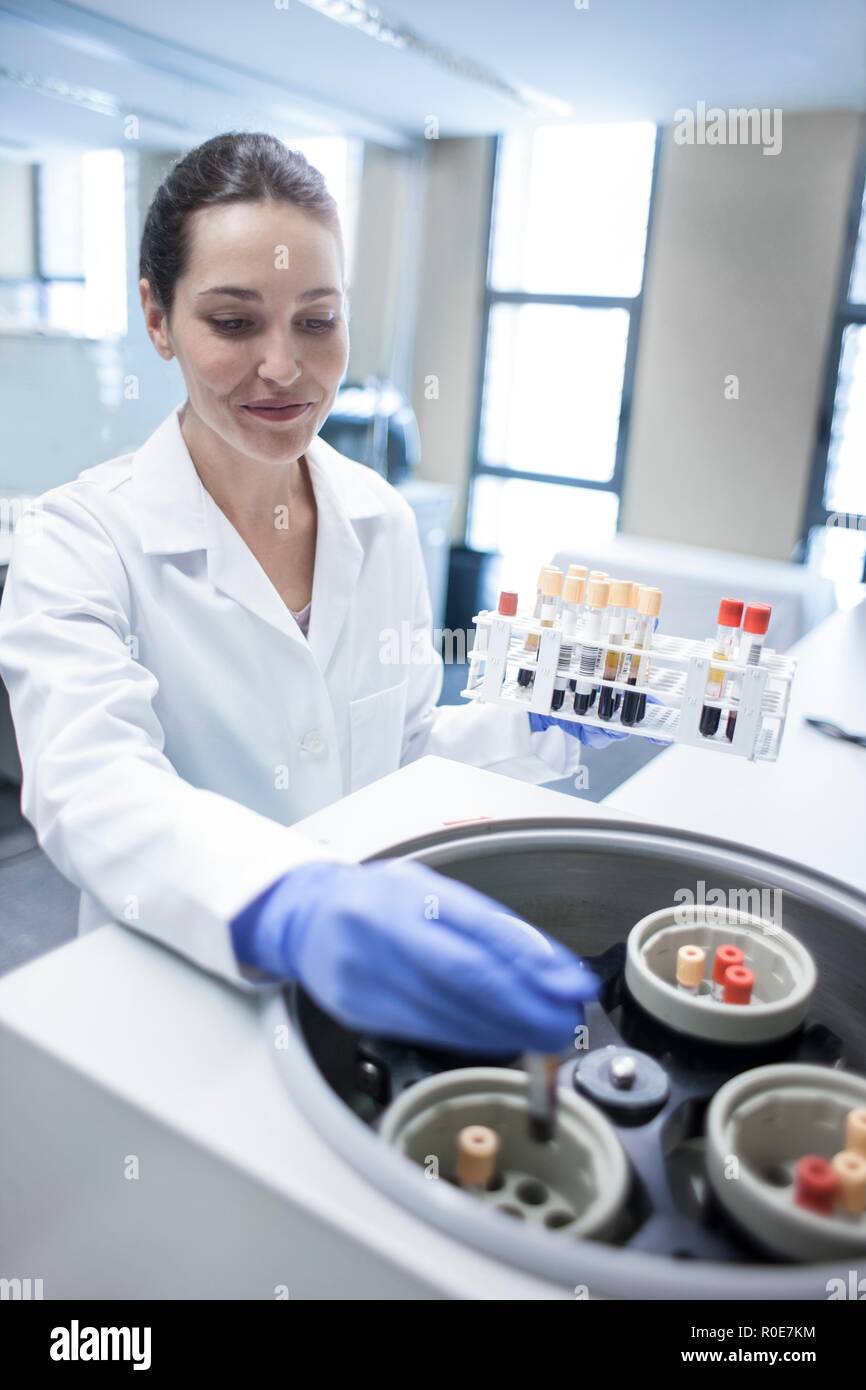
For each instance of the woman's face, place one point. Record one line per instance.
(258, 323)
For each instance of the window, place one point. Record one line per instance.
(570, 217)
(836, 509)
(63, 261)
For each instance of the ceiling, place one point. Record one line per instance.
(70, 73)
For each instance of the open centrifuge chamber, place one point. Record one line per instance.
(674, 1233)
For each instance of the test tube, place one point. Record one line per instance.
(729, 619)
(738, 985)
(725, 955)
(816, 1186)
(618, 604)
(600, 575)
(551, 595)
(691, 961)
(507, 608)
(631, 613)
(582, 573)
(597, 593)
(850, 1171)
(649, 604)
(542, 1072)
(551, 605)
(855, 1130)
(755, 624)
(477, 1150)
(573, 593)
(526, 674)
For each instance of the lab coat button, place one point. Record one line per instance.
(313, 742)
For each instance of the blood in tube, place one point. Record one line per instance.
(729, 619)
(649, 605)
(571, 608)
(755, 624)
(617, 612)
(526, 674)
(598, 591)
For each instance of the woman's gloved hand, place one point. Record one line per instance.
(588, 734)
(396, 949)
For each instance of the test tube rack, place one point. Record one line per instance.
(678, 668)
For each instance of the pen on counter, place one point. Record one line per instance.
(826, 726)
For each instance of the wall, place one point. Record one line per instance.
(742, 278)
(382, 295)
(452, 272)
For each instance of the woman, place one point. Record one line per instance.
(193, 642)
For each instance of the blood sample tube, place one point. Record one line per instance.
(573, 594)
(631, 613)
(526, 674)
(730, 615)
(649, 605)
(546, 610)
(755, 624)
(477, 1151)
(691, 962)
(618, 603)
(816, 1186)
(850, 1170)
(577, 572)
(725, 956)
(542, 1071)
(738, 985)
(507, 608)
(551, 602)
(598, 591)
(855, 1131)
(601, 576)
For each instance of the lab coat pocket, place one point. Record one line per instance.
(376, 723)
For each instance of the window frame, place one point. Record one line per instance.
(846, 313)
(633, 304)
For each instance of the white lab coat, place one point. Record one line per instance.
(172, 719)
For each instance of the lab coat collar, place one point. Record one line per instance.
(175, 513)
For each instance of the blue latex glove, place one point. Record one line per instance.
(399, 950)
(589, 734)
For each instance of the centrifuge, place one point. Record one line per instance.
(175, 1137)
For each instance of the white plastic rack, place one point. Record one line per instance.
(676, 681)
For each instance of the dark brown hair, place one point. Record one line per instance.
(231, 168)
